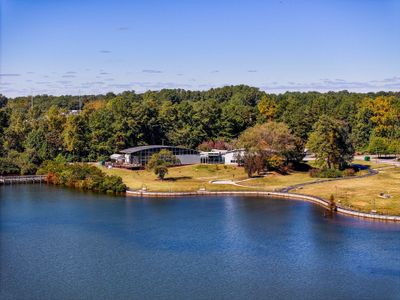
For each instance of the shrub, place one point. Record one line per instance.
(349, 172)
(8, 167)
(314, 172)
(325, 173)
(82, 176)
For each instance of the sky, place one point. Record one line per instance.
(95, 46)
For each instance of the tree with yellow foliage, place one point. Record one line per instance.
(267, 107)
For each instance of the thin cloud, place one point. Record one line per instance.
(325, 85)
(123, 28)
(68, 76)
(70, 72)
(93, 83)
(105, 51)
(159, 85)
(104, 73)
(9, 74)
(151, 71)
(120, 85)
(252, 71)
(215, 71)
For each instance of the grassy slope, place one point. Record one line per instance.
(363, 194)
(191, 178)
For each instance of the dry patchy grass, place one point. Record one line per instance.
(184, 178)
(358, 193)
(363, 193)
(192, 178)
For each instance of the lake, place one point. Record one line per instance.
(60, 243)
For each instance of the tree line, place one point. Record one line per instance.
(40, 128)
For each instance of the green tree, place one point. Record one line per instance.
(331, 143)
(378, 145)
(159, 162)
(363, 125)
(75, 136)
(3, 101)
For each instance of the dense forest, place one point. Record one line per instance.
(39, 128)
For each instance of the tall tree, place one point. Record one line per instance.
(75, 137)
(269, 144)
(331, 143)
(267, 107)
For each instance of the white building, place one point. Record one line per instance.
(234, 157)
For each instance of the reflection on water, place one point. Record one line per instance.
(64, 244)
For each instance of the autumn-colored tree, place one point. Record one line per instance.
(267, 107)
(264, 143)
(385, 116)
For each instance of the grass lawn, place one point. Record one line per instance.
(184, 178)
(363, 194)
(192, 178)
(360, 194)
(275, 181)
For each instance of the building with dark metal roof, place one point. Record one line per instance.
(140, 155)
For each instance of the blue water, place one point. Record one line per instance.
(63, 244)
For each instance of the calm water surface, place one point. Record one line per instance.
(63, 244)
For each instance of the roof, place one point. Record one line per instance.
(147, 147)
(236, 150)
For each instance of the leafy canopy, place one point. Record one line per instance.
(160, 161)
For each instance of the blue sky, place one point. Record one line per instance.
(86, 46)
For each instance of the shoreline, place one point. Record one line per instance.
(285, 195)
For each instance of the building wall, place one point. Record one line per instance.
(189, 159)
(231, 157)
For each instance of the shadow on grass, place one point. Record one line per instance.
(173, 179)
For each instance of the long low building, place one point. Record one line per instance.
(141, 155)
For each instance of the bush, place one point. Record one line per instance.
(8, 167)
(349, 172)
(82, 176)
(325, 173)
